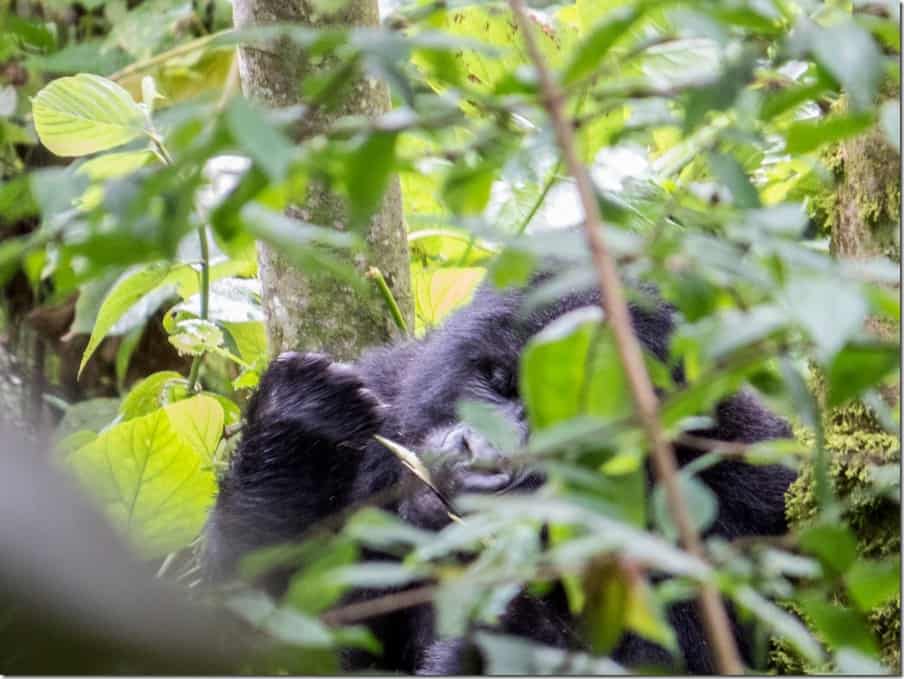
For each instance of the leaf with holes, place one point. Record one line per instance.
(84, 114)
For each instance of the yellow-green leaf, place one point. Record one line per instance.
(84, 113)
(199, 420)
(126, 293)
(152, 476)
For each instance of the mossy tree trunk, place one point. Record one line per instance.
(318, 313)
(863, 219)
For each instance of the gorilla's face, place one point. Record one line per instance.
(474, 356)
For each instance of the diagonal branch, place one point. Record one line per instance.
(715, 619)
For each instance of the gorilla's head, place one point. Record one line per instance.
(475, 356)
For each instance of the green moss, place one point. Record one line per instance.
(856, 444)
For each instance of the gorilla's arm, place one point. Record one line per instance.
(301, 447)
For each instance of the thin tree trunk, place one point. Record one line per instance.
(319, 313)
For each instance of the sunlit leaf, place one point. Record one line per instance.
(127, 291)
(83, 114)
(153, 482)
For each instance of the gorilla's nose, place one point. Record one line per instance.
(486, 469)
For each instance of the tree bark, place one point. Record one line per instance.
(316, 312)
(862, 215)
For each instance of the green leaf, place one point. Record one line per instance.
(572, 368)
(499, 430)
(849, 53)
(512, 268)
(125, 294)
(153, 392)
(152, 481)
(313, 589)
(381, 530)
(606, 589)
(195, 336)
(83, 114)
(367, 175)
(199, 421)
(788, 98)
(467, 189)
(114, 165)
(510, 655)
(720, 94)
(872, 583)
(256, 136)
(303, 242)
(832, 543)
(730, 172)
(857, 367)
(93, 415)
(589, 54)
(829, 325)
(448, 247)
(837, 625)
(807, 135)
(781, 623)
(702, 506)
(849, 661)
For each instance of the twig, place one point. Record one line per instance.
(731, 448)
(715, 618)
(364, 610)
(191, 46)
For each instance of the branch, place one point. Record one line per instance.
(364, 610)
(715, 619)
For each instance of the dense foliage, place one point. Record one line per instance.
(709, 127)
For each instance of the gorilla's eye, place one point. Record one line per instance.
(500, 379)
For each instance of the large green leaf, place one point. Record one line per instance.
(126, 293)
(152, 473)
(588, 55)
(572, 368)
(84, 114)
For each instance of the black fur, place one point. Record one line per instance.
(307, 452)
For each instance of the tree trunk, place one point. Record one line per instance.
(318, 313)
(862, 214)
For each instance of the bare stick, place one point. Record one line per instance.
(715, 619)
(371, 608)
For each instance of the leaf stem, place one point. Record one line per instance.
(715, 619)
(205, 302)
(205, 270)
(377, 276)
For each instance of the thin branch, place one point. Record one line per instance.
(729, 448)
(157, 59)
(715, 618)
(395, 601)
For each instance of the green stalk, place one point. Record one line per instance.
(205, 302)
(376, 275)
(205, 270)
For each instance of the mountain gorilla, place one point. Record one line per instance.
(308, 451)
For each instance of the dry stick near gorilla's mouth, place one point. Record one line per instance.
(414, 464)
(715, 617)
